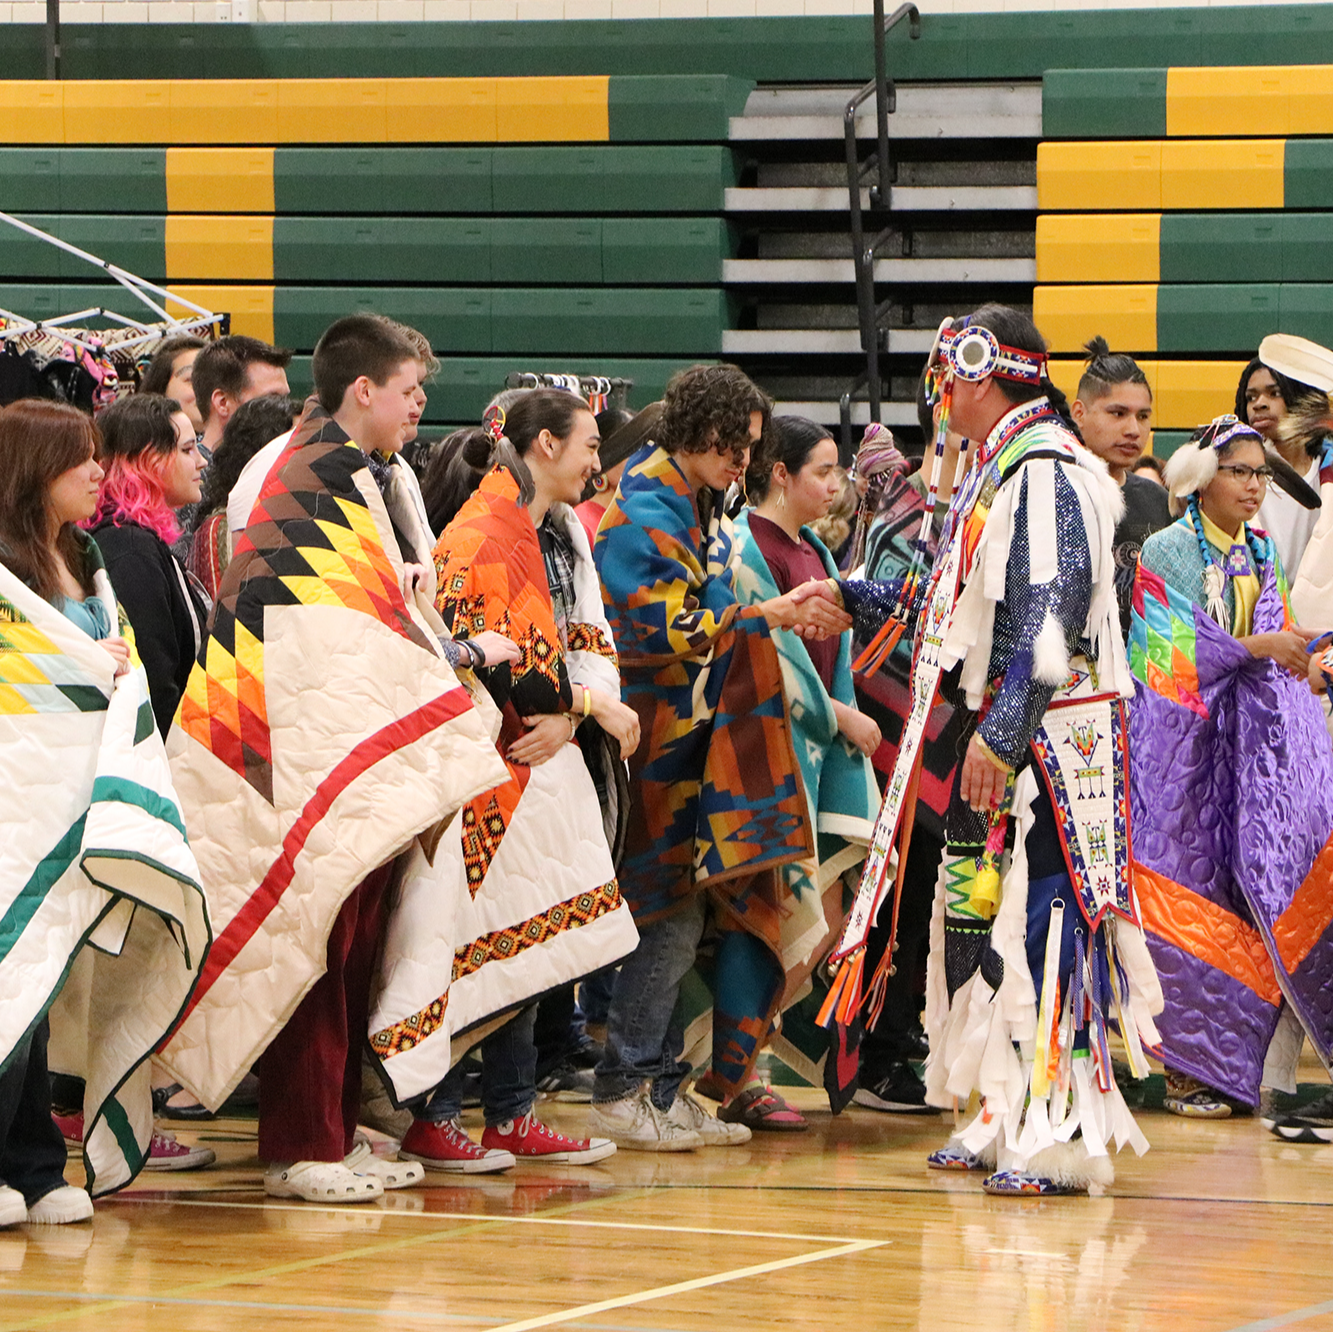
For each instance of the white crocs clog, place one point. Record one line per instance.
(393, 1175)
(321, 1182)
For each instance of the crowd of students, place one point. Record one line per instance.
(562, 751)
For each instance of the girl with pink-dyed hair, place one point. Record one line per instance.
(152, 468)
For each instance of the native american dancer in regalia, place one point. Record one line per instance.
(1036, 946)
(1225, 733)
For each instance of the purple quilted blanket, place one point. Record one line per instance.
(1231, 817)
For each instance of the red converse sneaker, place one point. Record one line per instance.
(530, 1140)
(444, 1145)
(71, 1127)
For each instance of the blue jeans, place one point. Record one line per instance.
(508, 1076)
(595, 995)
(644, 1038)
(32, 1151)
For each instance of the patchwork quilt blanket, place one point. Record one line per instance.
(521, 894)
(102, 919)
(1232, 818)
(321, 731)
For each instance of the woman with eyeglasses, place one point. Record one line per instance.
(1231, 787)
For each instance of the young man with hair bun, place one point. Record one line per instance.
(1113, 412)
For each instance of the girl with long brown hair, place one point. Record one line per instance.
(49, 476)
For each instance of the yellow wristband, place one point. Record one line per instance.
(990, 754)
(587, 700)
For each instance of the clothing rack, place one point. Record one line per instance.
(16, 325)
(600, 391)
(90, 357)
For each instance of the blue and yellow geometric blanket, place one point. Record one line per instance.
(715, 783)
(101, 912)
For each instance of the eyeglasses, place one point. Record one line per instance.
(1242, 472)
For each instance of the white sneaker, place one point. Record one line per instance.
(65, 1203)
(393, 1175)
(633, 1122)
(690, 1115)
(12, 1208)
(320, 1182)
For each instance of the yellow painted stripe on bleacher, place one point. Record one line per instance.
(250, 308)
(224, 110)
(307, 111)
(547, 109)
(1185, 393)
(440, 110)
(1113, 175)
(1125, 315)
(1223, 173)
(1098, 247)
(1192, 393)
(116, 111)
(32, 112)
(227, 249)
(1125, 176)
(1250, 100)
(220, 180)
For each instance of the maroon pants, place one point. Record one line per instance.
(310, 1077)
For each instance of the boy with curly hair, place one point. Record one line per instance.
(715, 784)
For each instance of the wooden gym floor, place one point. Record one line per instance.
(1220, 1226)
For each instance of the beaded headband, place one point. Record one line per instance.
(1220, 432)
(974, 353)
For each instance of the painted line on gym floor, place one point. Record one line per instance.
(473, 1224)
(432, 1316)
(62, 1318)
(1291, 1317)
(694, 1284)
(361, 1210)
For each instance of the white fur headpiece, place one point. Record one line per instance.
(1194, 465)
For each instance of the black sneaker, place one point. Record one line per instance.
(1311, 1123)
(899, 1091)
(566, 1083)
(917, 1047)
(587, 1054)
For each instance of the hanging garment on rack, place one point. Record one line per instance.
(88, 368)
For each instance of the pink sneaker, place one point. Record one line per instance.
(444, 1145)
(530, 1140)
(165, 1152)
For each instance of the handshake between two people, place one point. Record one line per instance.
(813, 610)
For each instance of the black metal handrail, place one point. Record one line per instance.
(880, 164)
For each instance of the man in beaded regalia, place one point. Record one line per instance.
(1036, 943)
